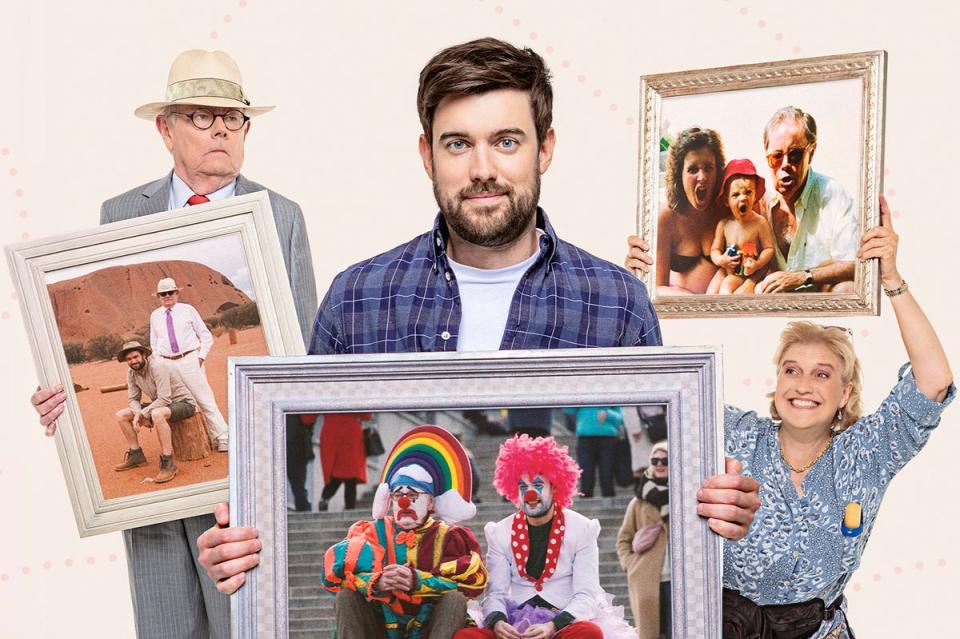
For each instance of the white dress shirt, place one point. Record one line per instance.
(180, 193)
(191, 332)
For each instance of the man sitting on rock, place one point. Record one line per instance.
(171, 402)
(408, 575)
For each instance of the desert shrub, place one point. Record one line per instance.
(74, 352)
(103, 347)
(241, 316)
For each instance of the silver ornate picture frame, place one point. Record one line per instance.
(88, 273)
(845, 94)
(265, 390)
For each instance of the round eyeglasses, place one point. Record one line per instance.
(204, 119)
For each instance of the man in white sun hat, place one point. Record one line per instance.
(203, 120)
(179, 335)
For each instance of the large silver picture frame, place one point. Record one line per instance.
(722, 92)
(263, 390)
(248, 220)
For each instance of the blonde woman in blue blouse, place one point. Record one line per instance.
(823, 467)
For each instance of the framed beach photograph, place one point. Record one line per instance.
(664, 402)
(137, 320)
(756, 183)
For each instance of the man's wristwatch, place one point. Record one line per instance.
(809, 280)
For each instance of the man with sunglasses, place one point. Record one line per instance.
(815, 228)
(179, 335)
(203, 120)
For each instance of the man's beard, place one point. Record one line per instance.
(484, 227)
(540, 509)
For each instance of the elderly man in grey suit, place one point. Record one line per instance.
(203, 121)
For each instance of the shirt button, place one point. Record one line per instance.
(447, 275)
(438, 241)
(796, 553)
(445, 335)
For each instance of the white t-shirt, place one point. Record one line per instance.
(485, 298)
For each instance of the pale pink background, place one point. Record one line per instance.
(342, 142)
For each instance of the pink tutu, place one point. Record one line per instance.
(607, 616)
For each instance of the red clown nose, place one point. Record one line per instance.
(403, 502)
(531, 495)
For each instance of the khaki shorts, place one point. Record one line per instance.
(181, 410)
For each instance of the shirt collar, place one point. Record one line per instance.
(810, 191)
(440, 233)
(180, 192)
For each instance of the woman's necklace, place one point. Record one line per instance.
(804, 469)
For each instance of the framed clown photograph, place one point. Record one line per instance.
(137, 319)
(757, 182)
(522, 486)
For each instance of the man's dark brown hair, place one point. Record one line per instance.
(476, 67)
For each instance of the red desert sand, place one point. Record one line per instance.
(107, 442)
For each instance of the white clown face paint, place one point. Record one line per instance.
(410, 508)
(535, 494)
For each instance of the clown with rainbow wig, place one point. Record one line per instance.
(544, 559)
(408, 573)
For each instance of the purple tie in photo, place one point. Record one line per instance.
(171, 335)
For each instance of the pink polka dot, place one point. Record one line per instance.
(23, 213)
(761, 23)
(891, 192)
(214, 35)
(68, 562)
(18, 192)
(919, 565)
(856, 587)
(227, 18)
(499, 9)
(796, 49)
(4, 151)
(13, 296)
(549, 49)
(565, 64)
(746, 381)
(876, 577)
(25, 570)
(597, 93)
(941, 562)
(886, 172)
(25, 236)
(243, 4)
(516, 22)
(897, 569)
(112, 557)
(5, 315)
(533, 35)
(614, 107)
(47, 565)
(581, 78)
(768, 382)
(91, 560)
(743, 11)
(778, 36)
(864, 333)
(628, 121)
(12, 172)
(894, 214)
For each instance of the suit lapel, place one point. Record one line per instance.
(155, 196)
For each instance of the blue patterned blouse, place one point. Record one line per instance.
(795, 551)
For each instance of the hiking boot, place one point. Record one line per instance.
(132, 459)
(323, 506)
(168, 470)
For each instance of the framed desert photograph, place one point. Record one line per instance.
(756, 183)
(137, 320)
(662, 403)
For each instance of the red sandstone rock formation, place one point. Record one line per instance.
(119, 299)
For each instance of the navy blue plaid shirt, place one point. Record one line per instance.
(407, 300)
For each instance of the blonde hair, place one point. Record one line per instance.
(837, 339)
(660, 445)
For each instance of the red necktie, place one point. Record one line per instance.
(197, 199)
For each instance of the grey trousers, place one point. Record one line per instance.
(357, 620)
(173, 598)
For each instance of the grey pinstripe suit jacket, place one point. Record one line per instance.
(152, 198)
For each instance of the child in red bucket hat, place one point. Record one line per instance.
(743, 242)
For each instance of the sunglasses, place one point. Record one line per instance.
(658, 461)
(846, 330)
(166, 293)
(794, 156)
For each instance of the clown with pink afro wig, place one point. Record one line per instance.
(525, 456)
(543, 560)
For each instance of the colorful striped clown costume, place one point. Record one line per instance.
(441, 557)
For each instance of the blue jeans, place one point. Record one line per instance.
(592, 452)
